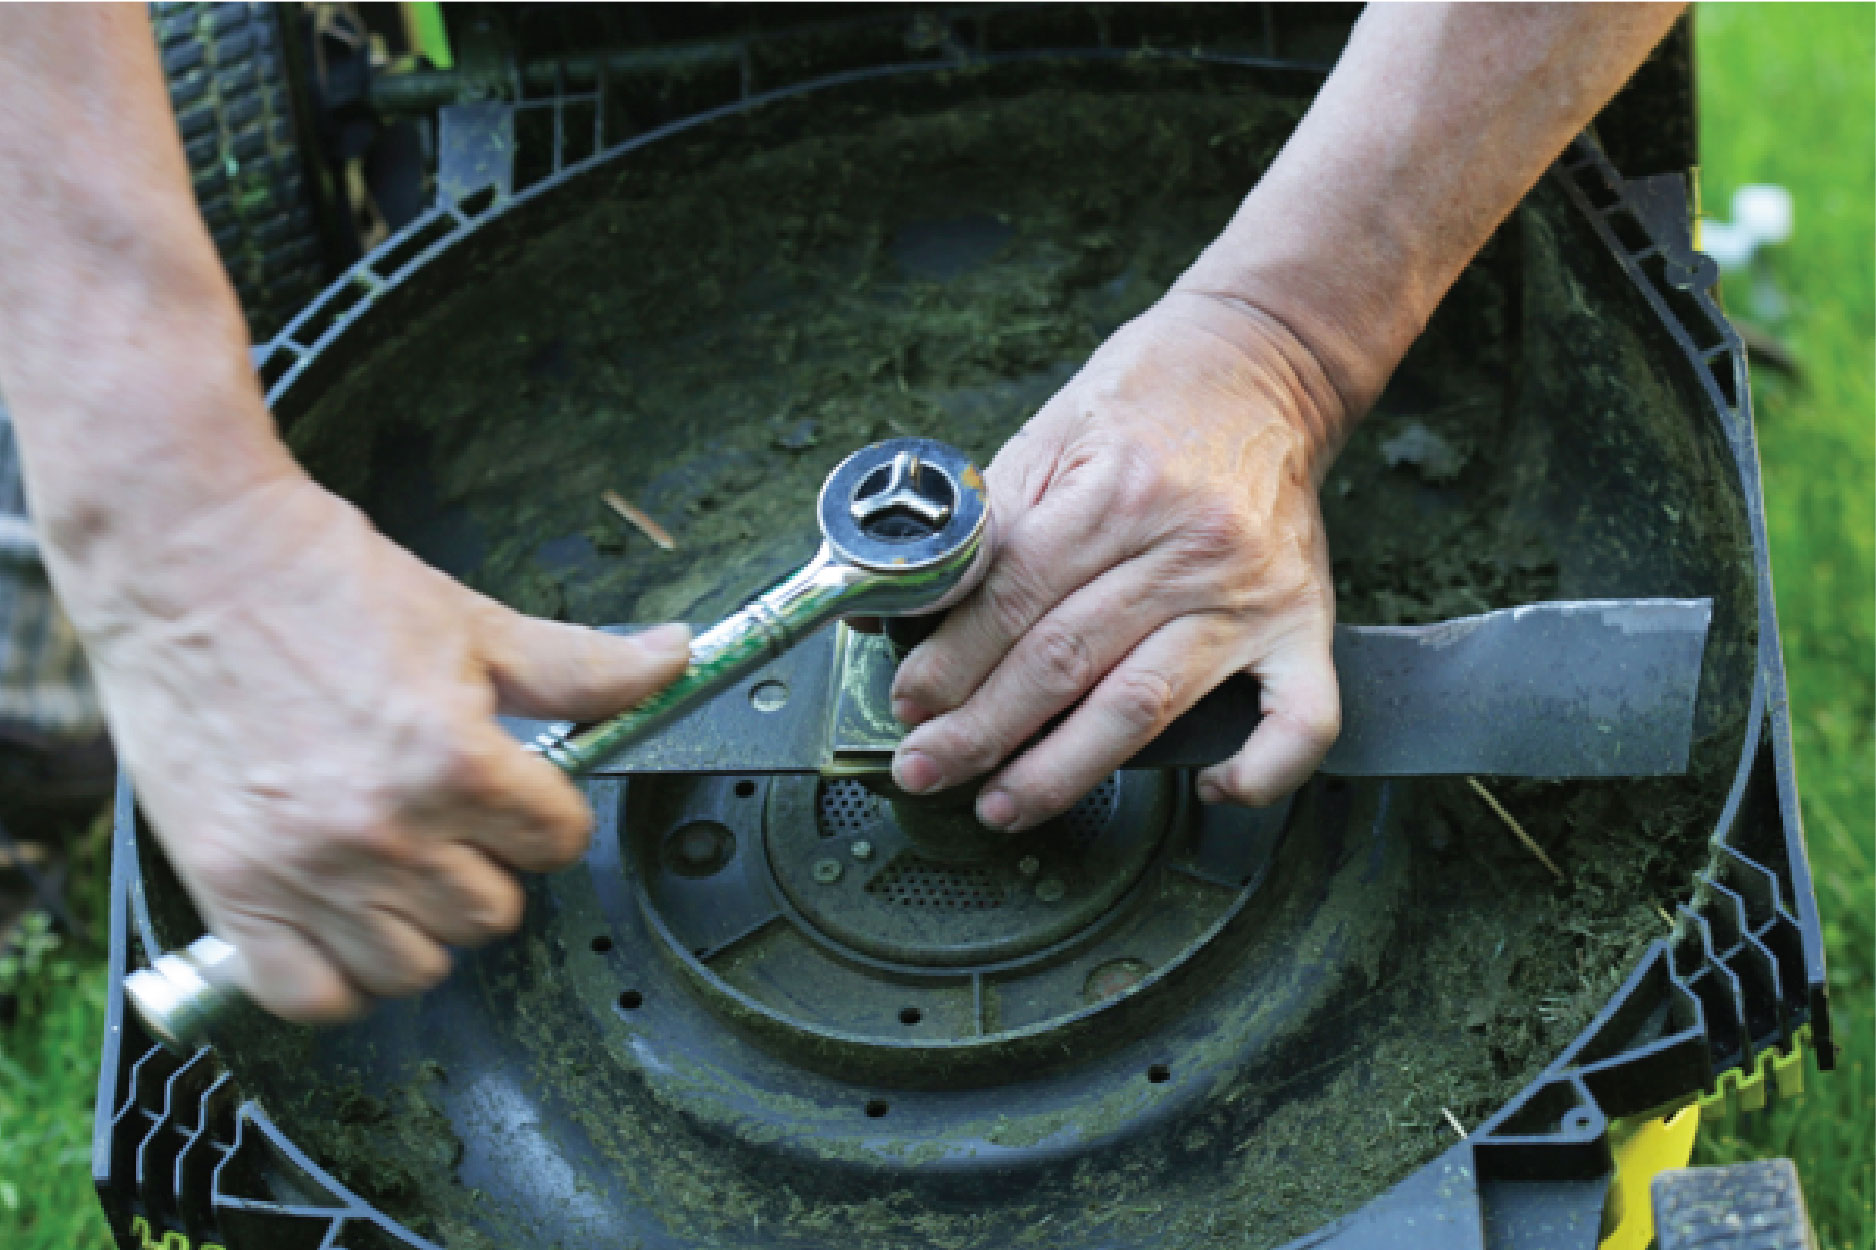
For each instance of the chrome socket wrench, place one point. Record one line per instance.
(901, 524)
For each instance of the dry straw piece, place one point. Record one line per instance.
(640, 520)
(1511, 824)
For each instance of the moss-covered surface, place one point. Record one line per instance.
(709, 336)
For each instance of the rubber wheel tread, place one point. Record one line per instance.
(228, 88)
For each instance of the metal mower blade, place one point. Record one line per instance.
(1578, 688)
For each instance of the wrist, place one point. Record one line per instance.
(1352, 316)
(1296, 384)
(148, 469)
(130, 579)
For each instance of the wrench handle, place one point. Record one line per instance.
(721, 656)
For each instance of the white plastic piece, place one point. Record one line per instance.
(1762, 214)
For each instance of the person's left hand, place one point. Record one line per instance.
(1157, 530)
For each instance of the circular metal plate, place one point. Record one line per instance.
(925, 886)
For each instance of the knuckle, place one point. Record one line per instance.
(1050, 795)
(362, 831)
(1243, 785)
(467, 765)
(430, 967)
(412, 971)
(928, 678)
(1137, 479)
(970, 743)
(1142, 700)
(1009, 596)
(1064, 663)
(322, 837)
(303, 989)
(1216, 532)
(1321, 724)
(234, 881)
(568, 835)
(1254, 793)
(498, 910)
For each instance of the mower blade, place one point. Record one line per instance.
(1589, 688)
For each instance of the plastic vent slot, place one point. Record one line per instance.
(1086, 820)
(911, 880)
(847, 808)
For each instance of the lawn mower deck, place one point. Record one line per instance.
(783, 1010)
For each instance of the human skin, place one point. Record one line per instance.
(306, 709)
(1157, 521)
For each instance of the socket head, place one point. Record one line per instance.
(905, 506)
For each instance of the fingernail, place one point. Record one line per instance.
(908, 713)
(915, 772)
(1210, 793)
(996, 809)
(669, 640)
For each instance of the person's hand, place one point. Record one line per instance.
(1157, 531)
(311, 734)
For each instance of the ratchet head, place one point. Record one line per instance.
(910, 512)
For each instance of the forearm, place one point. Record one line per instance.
(122, 348)
(1435, 123)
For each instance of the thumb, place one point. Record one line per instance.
(570, 672)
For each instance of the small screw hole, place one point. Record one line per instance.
(602, 943)
(876, 1109)
(631, 1000)
(910, 1015)
(745, 788)
(1159, 1074)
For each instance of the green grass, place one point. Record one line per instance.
(1788, 95)
(49, 1077)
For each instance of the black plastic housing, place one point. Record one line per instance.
(179, 1150)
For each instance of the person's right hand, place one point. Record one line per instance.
(310, 730)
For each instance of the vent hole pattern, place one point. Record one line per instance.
(847, 808)
(914, 881)
(1086, 820)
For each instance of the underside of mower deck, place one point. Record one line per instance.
(786, 1009)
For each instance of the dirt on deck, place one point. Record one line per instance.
(707, 338)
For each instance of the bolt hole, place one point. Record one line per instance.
(602, 943)
(1159, 1074)
(631, 1000)
(745, 788)
(910, 1015)
(876, 1108)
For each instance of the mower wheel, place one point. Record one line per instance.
(227, 78)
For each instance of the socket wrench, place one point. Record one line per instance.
(901, 522)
